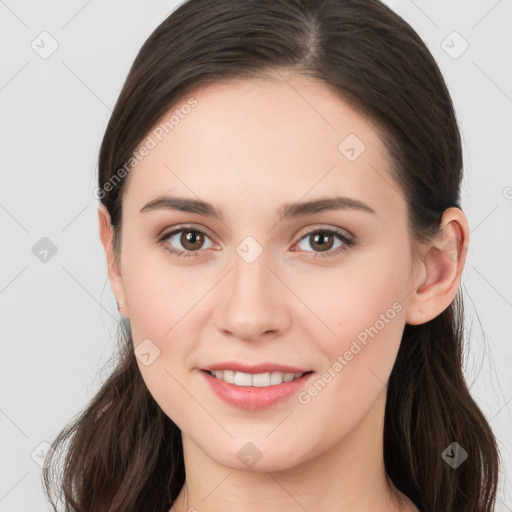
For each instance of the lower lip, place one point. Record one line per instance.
(254, 398)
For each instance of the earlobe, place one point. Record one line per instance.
(114, 273)
(441, 269)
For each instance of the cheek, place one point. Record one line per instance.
(163, 307)
(165, 303)
(362, 313)
(367, 316)
(356, 295)
(159, 293)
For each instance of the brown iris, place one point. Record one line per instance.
(195, 239)
(322, 241)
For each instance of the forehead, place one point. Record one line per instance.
(265, 139)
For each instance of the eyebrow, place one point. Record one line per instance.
(286, 211)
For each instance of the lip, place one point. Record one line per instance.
(258, 368)
(254, 398)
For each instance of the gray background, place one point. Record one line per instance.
(58, 316)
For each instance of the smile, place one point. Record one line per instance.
(254, 380)
(254, 391)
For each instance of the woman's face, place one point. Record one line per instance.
(323, 290)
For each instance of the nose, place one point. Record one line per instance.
(253, 301)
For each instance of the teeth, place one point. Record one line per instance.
(255, 380)
(228, 376)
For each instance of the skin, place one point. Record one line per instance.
(248, 147)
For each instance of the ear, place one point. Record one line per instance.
(114, 273)
(437, 275)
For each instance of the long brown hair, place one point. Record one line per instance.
(122, 453)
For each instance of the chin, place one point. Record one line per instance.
(256, 456)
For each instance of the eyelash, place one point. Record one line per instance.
(347, 242)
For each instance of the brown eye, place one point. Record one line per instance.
(192, 240)
(321, 241)
(325, 242)
(186, 242)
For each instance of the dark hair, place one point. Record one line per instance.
(124, 453)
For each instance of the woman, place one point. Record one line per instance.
(279, 186)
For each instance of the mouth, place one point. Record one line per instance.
(255, 391)
(257, 380)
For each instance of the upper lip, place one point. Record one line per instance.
(255, 369)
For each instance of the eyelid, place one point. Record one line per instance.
(181, 227)
(324, 227)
